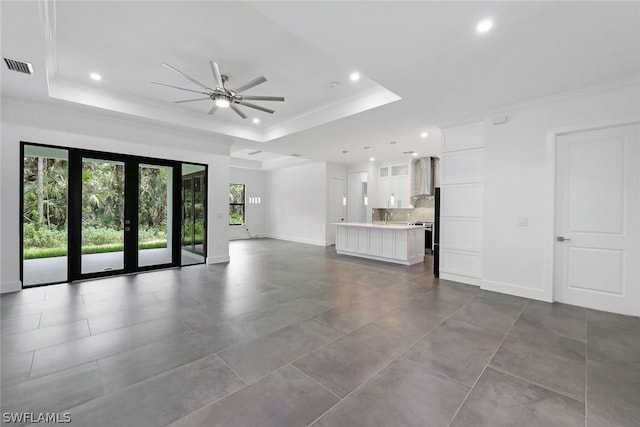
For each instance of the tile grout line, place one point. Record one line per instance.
(413, 343)
(315, 381)
(229, 366)
(440, 374)
(455, 414)
(217, 400)
(33, 356)
(331, 326)
(104, 393)
(561, 393)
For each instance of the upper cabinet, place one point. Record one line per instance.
(394, 186)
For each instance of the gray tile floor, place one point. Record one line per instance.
(293, 335)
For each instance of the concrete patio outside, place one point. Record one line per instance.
(49, 270)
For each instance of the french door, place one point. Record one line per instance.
(121, 217)
(90, 214)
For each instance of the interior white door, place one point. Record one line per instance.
(597, 220)
(337, 192)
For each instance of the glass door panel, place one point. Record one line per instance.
(187, 212)
(193, 214)
(44, 215)
(198, 215)
(155, 206)
(103, 222)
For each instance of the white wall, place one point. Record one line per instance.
(515, 175)
(55, 125)
(295, 203)
(253, 213)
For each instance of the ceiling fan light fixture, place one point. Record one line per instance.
(484, 26)
(222, 101)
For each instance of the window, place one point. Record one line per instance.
(236, 204)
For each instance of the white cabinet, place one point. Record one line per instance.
(384, 192)
(397, 244)
(400, 189)
(394, 180)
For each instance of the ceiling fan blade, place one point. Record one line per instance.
(216, 74)
(187, 77)
(257, 107)
(181, 88)
(262, 98)
(238, 112)
(213, 109)
(252, 83)
(191, 100)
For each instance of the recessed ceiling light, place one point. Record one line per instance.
(415, 154)
(366, 147)
(256, 120)
(354, 77)
(392, 142)
(95, 76)
(372, 159)
(344, 151)
(424, 134)
(484, 26)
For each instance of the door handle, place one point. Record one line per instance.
(562, 239)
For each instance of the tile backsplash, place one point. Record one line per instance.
(423, 211)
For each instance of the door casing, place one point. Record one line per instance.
(546, 294)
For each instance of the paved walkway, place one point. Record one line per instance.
(47, 270)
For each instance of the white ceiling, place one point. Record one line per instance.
(423, 65)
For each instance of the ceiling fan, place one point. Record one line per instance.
(223, 97)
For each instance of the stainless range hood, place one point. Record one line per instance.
(425, 176)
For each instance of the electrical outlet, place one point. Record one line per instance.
(523, 221)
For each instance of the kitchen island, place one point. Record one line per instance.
(391, 242)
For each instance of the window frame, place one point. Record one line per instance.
(243, 204)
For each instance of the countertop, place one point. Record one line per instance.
(394, 225)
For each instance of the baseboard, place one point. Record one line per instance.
(13, 286)
(410, 261)
(245, 236)
(460, 278)
(296, 239)
(515, 290)
(218, 259)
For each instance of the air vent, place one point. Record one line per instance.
(295, 155)
(19, 66)
(408, 152)
(255, 152)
